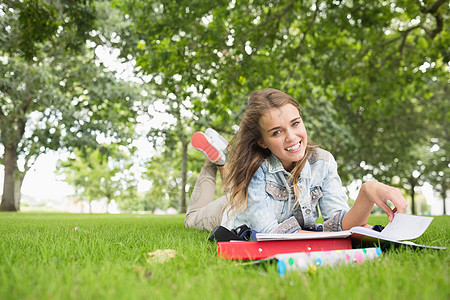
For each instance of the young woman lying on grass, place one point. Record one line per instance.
(275, 178)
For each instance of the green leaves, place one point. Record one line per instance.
(30, 26)
(96, 175)
(358, 68)
(364, 73)
(54, 94)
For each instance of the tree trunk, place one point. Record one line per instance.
(108, 201)
(17, 188)
(184, 175)
(444, 195)
(413, 204)
(10, 161)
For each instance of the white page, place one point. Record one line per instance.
(366, 232)
(402, 227)
(313, 235)
(406, 227)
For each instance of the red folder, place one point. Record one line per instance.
(265, 249)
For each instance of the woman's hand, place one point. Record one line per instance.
(373, 192)
(380, 193)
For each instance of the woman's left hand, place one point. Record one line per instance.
(380, 193)
(373, 192)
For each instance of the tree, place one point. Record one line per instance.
(53, 95)
(363, 59)
(101, 173)
(437, 162)
(163, 173)
(439, 174)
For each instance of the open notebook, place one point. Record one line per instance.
(402, 229)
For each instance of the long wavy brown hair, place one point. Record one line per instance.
(246, 156)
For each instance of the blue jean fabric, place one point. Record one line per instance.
(271, 201)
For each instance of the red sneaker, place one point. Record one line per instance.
(211, 144)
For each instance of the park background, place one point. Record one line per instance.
(98, 99)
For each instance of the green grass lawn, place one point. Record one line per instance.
(74, 256)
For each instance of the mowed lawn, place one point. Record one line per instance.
(79, 256)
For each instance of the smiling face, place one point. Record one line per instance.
(284, 134)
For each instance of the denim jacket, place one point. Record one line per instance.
(271, 199)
